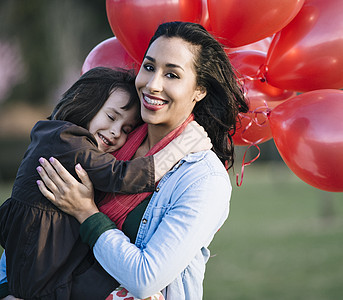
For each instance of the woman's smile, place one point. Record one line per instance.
(153, 103)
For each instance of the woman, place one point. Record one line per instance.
(185, 72)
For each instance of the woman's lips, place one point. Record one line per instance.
(153, 103)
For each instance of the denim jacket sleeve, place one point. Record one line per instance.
(198, 206)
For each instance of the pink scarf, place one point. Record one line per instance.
(117, 206)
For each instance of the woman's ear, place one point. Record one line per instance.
(200, 94)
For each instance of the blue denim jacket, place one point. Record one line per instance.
(190, 204)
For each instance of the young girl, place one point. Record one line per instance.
(94, 117)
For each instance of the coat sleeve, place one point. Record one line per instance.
(106, 173)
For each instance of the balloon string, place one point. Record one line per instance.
(244, 164)
(260, 76)
(256, 111)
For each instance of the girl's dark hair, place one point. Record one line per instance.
(218, 111)
(82, 101)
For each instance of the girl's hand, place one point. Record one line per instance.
(10, 297)
(193, 139)
(64, 191)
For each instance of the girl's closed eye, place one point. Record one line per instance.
(111, 117)
(127, 130)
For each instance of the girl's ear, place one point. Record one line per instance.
(200, 94)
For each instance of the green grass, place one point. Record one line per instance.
(283, 240)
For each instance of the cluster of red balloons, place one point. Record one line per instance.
(288, 54)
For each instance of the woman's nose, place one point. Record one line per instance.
(155, 83)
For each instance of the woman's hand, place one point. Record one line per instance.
(10, 297)
(64, 191)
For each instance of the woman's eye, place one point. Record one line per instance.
(172, 75)
(148, 67)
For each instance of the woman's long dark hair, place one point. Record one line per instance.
(82, 101)
(218, 111)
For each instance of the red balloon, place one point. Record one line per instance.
(109, 53)
(205, 17)
(134, 22)
(247, 64)
(308, 53)
(237, 23)
(308, 133)
(253, 127)
(261, 45)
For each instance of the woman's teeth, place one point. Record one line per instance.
(154, 101)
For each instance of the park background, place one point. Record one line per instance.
(283, 239)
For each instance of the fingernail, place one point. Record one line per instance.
(78, 166)
(41, 160)
(38, 182)
(51, 159)
(39, 169)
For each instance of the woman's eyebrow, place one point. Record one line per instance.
(150, 58)
(174, 66)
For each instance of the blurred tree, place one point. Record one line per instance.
(54, 37)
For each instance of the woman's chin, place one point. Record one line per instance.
(150, 118)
